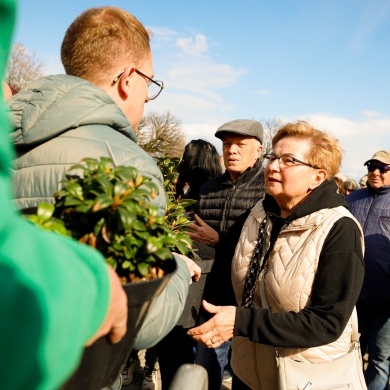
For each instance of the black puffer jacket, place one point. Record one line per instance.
(221, 202)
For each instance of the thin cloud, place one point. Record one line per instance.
(192, 108)
(186, 64)
(359, 139)
(375, 15)
(193, 46)
(370, 113)
(262, 92)
(204, 76)
(162, 35)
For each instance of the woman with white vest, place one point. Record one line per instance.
(296, 266)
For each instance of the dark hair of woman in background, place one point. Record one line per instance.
(200, 163)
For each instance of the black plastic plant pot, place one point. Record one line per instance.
(190, 313)
(102, 362)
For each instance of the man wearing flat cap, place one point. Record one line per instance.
(226, 197)
(222, 201)
(371, 207)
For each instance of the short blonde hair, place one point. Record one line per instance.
(101, 38)
(325, 151)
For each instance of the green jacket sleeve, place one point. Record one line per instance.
(54, 292)
(54, 296)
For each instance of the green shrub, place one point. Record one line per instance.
(109, 208)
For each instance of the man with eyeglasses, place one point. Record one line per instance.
(371, 207)
(94, 111)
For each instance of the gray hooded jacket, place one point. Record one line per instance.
(58, 121)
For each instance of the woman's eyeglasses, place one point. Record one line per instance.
(287, 161)
(383, 168)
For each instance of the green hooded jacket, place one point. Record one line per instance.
(54, 292)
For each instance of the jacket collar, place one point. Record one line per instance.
(324, 196)
(246, 176)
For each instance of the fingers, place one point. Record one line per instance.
(115, 323)
(218, 329)
(199, 221)
(204, 233)
(201, 329)
(119, 309)
(192, 226)
(210, 339)
(195, 270)
(211, 308)
(117, 332)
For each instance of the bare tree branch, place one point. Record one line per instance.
(22, 68)
(271, 126)
(161, 134)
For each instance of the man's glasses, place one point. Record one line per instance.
(382, 167)
(154, 86)
(287, 161)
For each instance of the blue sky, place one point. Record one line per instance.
(325, 61)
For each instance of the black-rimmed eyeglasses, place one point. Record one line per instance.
(154, 86)
(287, 161)
(383, 168)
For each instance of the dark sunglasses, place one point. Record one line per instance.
(382, 168)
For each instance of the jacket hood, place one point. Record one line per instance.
(324, 196)
(52, 105)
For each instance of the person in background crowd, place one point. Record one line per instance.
(37, 332)
(340, 178)
(222, 200)
(363, 181)
(93, 111)
(306, 306)
(199, 164)
(133, 366)
(349, 186)
(371, 207)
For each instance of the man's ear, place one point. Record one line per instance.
(259, 151)
(124, 83)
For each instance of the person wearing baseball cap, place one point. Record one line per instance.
(349, 186)
(363, 181)
(378, 166)
(222, 201)
(371, 207)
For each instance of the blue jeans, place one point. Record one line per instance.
(374, 326)
(214, 360)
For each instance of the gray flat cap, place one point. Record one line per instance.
(243, 127)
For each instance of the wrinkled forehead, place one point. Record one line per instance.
(294, 146)
(235, 137)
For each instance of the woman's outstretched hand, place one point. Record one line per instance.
(218, 329)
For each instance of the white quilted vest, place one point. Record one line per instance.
(288, 278)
